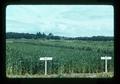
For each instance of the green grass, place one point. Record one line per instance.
(69, 57)
(73, 75)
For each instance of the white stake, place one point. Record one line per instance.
(106, 58)
(106, 65)
(45, 59)
(45, 67)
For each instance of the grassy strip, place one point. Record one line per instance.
(73, 75)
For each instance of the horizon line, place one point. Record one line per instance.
(62, 36)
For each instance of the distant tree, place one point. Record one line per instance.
(50, 36)
(43, 35)
(38, 35)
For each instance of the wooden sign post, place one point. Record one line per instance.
(106, 58)
(45, 59)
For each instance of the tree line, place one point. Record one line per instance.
(39, 35)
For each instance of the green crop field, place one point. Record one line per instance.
(69, 57)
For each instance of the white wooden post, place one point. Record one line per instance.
(45, 59)
(106, 58)
(106, 65)
(45, 67)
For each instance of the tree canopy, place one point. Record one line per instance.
(39, 35)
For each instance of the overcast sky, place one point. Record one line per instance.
(62, 20)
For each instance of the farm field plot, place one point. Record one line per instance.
(69, 57)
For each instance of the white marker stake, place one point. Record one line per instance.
(106, 58)
(45, 59)
(45, 67)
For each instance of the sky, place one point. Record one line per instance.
(62, 20)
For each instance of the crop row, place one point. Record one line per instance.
(23, 57)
